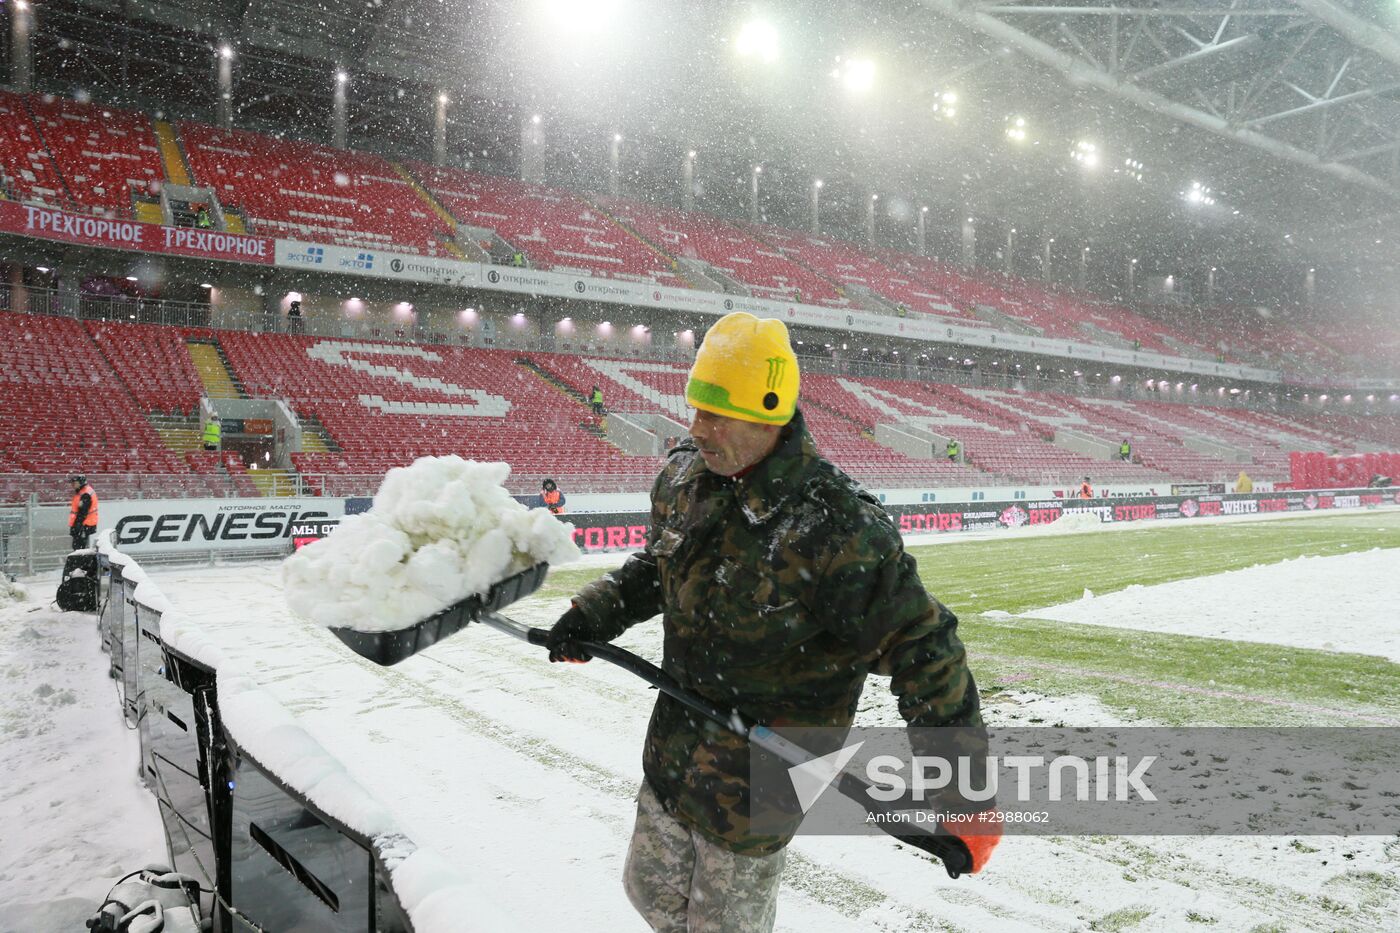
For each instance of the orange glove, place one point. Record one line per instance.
(980, 835)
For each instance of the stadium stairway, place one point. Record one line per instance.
(315, 439)
(48, 151)
(148, 211)
(277, 483)
(213, 370)
(176, 168)
(427, 198)
(180, 434)
(796, 260)
(597, 427)
(634, 234)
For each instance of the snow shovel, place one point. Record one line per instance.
(391, 647)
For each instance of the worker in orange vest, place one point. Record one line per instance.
(82, 512)
(1085, 490)
(552, 498)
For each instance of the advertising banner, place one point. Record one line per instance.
(627, 531)
(143, 526)
(50, 224)
(376, 263)
(304, 532)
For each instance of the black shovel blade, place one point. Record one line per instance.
(388, 648)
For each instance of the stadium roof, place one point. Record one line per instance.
(1287, 112)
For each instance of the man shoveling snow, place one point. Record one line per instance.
(440, 530)
(781, 585)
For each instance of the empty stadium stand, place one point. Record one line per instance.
(104, 154)
(66, 410)
(29, 171)
(760, 267)
(81, 397)
(305, 191)
(844, 264)
(154, 364)
(554, 229)
(385, 405)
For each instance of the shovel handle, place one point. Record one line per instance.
(938, 843)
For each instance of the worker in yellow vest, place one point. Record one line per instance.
(213, 432)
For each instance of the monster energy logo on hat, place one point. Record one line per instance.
(776, 366)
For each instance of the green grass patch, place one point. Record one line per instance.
(1171, 679)
(1120, 919)
(1023, 573)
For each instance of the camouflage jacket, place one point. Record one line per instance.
(779, 591)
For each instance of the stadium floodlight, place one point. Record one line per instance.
(945, 105)
(21, 5)
(442, 98)
(1198, 194)
(874, 197)
(1016, 129)
(535, 119)
(131, 278)
(205, 285)
(42, 268)
(923, 210)
(757, 40)
(226, 51)
(690, 154)
(341, 77)
(1086, 154)
(818, 183)
(617, 137)
(858, 75)
(969, 220)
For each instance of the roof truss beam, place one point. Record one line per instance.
(1081, 71)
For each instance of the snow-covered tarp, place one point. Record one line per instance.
(440, 530)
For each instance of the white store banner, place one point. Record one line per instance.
(143, 526)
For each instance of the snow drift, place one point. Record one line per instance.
(11, 593)
(440, 530)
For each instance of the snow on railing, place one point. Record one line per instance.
(255, 763)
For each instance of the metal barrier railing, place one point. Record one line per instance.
(267, 857)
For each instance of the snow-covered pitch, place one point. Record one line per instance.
(519, 776)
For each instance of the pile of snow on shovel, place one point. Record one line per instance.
(440, 530)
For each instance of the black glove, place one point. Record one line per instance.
(563, 641)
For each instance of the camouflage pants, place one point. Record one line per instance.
(680, 882)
